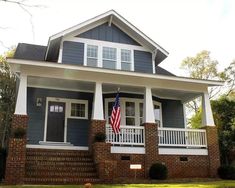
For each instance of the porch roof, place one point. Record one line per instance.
(163, 85)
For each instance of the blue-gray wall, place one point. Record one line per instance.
(73, 53)
(77, 130)
(108, 33)
(143, 62)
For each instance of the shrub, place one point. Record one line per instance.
(100, 137)
(158, 171)
(19, 132)
(226, 172)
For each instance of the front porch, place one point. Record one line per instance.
(65, 113)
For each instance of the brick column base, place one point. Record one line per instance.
(151, 145)
(107, 170)
(15, 164)
(96, 126)
(213, 150)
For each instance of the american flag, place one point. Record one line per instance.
(116, 115)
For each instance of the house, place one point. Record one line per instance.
(66, 91)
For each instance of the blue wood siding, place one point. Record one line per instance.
(143, 61)
(73, 53)
(108, 33)
(172, 110)
(172, 113)
(77, 129)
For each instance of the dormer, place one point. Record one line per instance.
(106, 41)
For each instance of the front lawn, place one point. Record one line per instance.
(213, 184)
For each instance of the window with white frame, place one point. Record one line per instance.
(125, 59)
(79, 110)
(132, 111)
(109, 57)
(158, 113)
(92, 55)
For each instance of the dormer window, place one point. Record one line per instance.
(92, 55)
(125, 59)
(109, 57)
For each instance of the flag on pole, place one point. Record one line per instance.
(116, 115)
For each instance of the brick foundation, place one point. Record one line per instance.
(213, 150)
(15, 164)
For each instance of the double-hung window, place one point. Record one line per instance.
(92, 55)
(109, 57)
(125, 59)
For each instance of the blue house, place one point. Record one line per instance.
(66, 91)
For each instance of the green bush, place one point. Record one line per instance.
(226, 172)
(19, 132)
(158, 171)
(100, 137)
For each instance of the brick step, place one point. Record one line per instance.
(60, 163)
(61, 180)
(60, 168)
(53, 174)
(65, 153)
(58, 158)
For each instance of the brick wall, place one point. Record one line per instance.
(213, 150)
(96, 126)
(15, 165)
(196, 166)
(151, 145)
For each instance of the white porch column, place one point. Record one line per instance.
(148, 106)
(21, 103)
(207, 116)
(98, 112)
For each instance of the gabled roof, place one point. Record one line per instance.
(111, 17)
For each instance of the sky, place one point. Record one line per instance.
(182, 27)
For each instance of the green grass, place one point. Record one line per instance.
(213, 184)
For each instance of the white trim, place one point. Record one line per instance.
(100, 46)
(185, 117)
(137, 101)
(97, 110)
(128, 150)
(105, 17)
(57, 147)
(113, 72)
(182, 151)
(105, 43)
(148, 106)
(67, 113)
(21, 102)
(207, 116)
(110, 20)
(160, 114)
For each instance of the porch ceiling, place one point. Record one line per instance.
(74, 85)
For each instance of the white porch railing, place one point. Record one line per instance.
(129, 135)
(173, 137)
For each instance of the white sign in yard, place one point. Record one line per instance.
(135, 166)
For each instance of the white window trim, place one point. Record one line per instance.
(123, 109)
(100, 46)
(85, 54)
(159, 104)
(67, 113)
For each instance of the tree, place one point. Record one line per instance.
(7, 97)
(224, 116)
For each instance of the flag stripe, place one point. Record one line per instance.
(116, 115)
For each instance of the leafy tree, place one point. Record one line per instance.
(7, 97)
(224, 115)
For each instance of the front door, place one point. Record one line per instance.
(55, 121)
